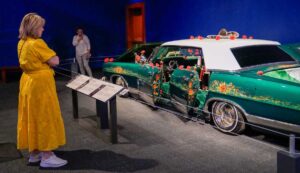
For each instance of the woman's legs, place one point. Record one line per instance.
(86, 60)
(34, 156)
(80, 61)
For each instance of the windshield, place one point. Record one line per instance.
(129, 56)
(258, 55)
(166, 52)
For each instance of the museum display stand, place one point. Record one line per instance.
(106, 103)
(288, 161)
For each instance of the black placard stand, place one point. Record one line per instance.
(106, 102)
(104, 110)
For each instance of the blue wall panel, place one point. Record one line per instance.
(103, 21)
(265, 19)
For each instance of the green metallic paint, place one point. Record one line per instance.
(180, 79)
(201, 98)
(292, 49)
(144, 72)
(272, 94)
(270, 97)
(282, 74)
(259, 91)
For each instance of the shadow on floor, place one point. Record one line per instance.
(102, 160)
(9, 152)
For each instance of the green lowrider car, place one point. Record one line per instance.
(230, 81)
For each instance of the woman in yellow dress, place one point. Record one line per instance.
(40, 124)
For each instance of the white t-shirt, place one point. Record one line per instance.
(82, 46)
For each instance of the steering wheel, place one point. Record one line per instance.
(172, 65)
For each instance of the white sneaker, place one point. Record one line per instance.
(34, 158)
(53, 162)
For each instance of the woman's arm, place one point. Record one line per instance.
(87, 42)
(54, 61)
(75, 41)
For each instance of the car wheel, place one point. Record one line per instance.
(103, 78)
(227, 117)
(120, 81)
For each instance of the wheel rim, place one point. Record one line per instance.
(120, 82)
(225, 116)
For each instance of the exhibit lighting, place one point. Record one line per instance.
(232, 37)
(200, 37)
(106, 60)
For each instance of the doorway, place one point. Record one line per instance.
(135, 21)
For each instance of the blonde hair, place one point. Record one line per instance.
(29, 25)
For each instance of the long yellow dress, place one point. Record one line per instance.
(40, 125)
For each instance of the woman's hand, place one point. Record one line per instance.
(54, 61)
(79, 38)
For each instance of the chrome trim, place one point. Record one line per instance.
(177, 103)
(141, 95)
(133, 90)
(273, 123)
(259, 120)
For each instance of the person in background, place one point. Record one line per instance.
(40, 124)
(83, 49)
(143, 57)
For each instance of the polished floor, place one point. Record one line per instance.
(149, 141)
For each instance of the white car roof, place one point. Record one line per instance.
(216, 53)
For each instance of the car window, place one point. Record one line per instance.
(258, 55)
(186, 56)
(176, 51)
(129, 56)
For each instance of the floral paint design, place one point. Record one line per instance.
(232, 90)
(120, 70)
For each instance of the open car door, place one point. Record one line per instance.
(184, 85)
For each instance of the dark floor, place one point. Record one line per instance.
(149, 141)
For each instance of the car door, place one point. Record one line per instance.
(184, 84)
(144, 82)
(184, 80)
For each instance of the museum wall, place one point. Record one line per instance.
(104, 23)
(264, 19)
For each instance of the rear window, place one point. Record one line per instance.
(257, 55)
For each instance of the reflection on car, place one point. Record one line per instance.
(228, 80)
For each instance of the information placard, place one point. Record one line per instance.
(78, 82)
(91, 86)
(106, 93)
(95, 88)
